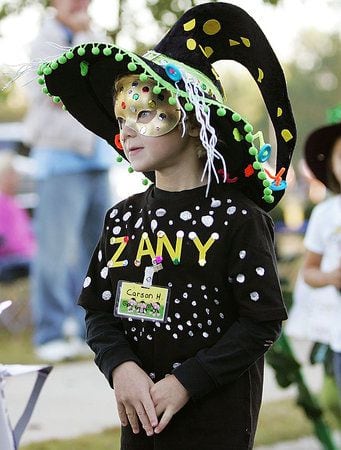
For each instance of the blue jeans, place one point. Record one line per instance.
(13, 267)
(68, 223)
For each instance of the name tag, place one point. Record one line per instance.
(138, 301)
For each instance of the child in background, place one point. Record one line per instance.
(322, 260)
(198, 241)
(17, 241)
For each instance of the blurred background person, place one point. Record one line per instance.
(72, 167)
(17, 241)
(322, 260)
(316, 313)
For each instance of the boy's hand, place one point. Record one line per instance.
(169, 396)
(132, 390)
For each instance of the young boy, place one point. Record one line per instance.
(197, 243)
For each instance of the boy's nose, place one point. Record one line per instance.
(127, 131)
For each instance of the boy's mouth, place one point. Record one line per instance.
(133, 150)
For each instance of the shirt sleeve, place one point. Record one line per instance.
(105, 337)
(313, 239)
(252, 271)
(239, 348)
(104, 332)
(256, 291)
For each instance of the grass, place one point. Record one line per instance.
(107, 440)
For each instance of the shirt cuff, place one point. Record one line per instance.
(109, 360)
(194, 378)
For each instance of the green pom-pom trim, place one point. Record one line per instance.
(236, 117)
(267, 191)
(257, 165)
(248, 128)
(56, 99)
(107, 51)
(203, 86)
(130, 170)
(40, 70)
(262, 175)
(41, 81)
(189, 107)
(45, 90)
(156, 90)
(269, 198)
(221, 112)
(54, 65)
(119, 159)
(144, 181)
(249, 137)
(47, 71)
(143, 77)
(95, 51)
(69, 54)
(132, 67)
(253, 151)
(81, 51)
(118, 57)
(64, 108)
(62, 59)
(172, 101)
(266, 183)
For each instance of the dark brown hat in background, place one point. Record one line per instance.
(318, 147)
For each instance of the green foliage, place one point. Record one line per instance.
(314, 85)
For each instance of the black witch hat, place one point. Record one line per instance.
(181, 63)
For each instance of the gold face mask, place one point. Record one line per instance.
(137, 107)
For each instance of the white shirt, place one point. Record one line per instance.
(316, 313)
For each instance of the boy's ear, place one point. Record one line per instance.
(193, 130)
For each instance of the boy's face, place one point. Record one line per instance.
(149, 153)
(150, 132)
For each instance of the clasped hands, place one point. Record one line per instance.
(140, 401)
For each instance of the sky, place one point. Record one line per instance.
(281, 24)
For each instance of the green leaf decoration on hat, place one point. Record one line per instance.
(334, 114)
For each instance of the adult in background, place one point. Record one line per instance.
(73, 189)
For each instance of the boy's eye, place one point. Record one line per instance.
(145, 116)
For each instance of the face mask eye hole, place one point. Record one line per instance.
(145, 116)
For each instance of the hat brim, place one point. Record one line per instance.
(89, 98)
(318, 148)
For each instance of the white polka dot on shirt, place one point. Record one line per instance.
(106, 295)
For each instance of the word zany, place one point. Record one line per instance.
(163, 244)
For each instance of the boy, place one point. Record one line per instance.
(198, 241)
